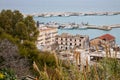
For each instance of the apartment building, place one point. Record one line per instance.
(46, 36)
(67, 41)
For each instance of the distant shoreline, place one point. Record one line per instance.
(67, 14)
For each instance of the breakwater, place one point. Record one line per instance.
(67, 14)
(104, 27)
(82, 25)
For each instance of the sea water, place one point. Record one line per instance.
(92, 20)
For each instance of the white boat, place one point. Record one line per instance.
(82, 27)
(66, 15)
(68, 27)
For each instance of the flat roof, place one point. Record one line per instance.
(47, 28)
(66, 35)
(107, 37)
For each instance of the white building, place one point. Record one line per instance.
(46, 36)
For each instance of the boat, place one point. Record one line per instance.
(82, 27)
(68, 27)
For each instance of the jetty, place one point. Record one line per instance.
(104, 27)
(67, 14)
(70, 26)
(99, 27)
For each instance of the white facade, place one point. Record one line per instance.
(47, 36)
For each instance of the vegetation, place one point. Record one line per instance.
(106, 69)
(15, 24)
(17, 38)
(7, 74)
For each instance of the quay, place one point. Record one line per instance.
(104, 27)
(99, 27)
(67, 14)
(70, 26)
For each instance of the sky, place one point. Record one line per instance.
(59, 5)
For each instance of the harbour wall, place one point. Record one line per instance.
(67, 14)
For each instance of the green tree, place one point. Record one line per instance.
(6, 20)
(31, 28)
(21, 30)
(13, 23)
(17, 17)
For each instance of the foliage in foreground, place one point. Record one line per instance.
(14, 24)
(106, 69)
(17, 37)
(7, 74)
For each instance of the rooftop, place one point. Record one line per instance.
(107, 37)
(46, 28)
(66, 35)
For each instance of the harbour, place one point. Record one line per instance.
(68, 14)
(97, 25)
(70, 26)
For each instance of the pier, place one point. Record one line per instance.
(104, 27)
(67, 14)
(70, 26)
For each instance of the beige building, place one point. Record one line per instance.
(99, 42)
(108, 39)
(46, 36)
(66, 41)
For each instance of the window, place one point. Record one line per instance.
(70, 44)
(75, 40)
(79, 44)
(81, 37)
(70, 39)
(66, 39)
(104, 39)
(66, 48)
(56, 38)
(66, 43)
(80, 40)
(61, 39)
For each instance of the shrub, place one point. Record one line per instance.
(7, 74)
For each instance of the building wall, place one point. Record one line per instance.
(99, 43)
(47, 36)
(111, 43)
(70, 42)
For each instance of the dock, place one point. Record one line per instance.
(67, 14)
(104, 27)
(81, 26)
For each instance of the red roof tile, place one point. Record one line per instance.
(107, 37)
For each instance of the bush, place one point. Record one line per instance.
(7, 74)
